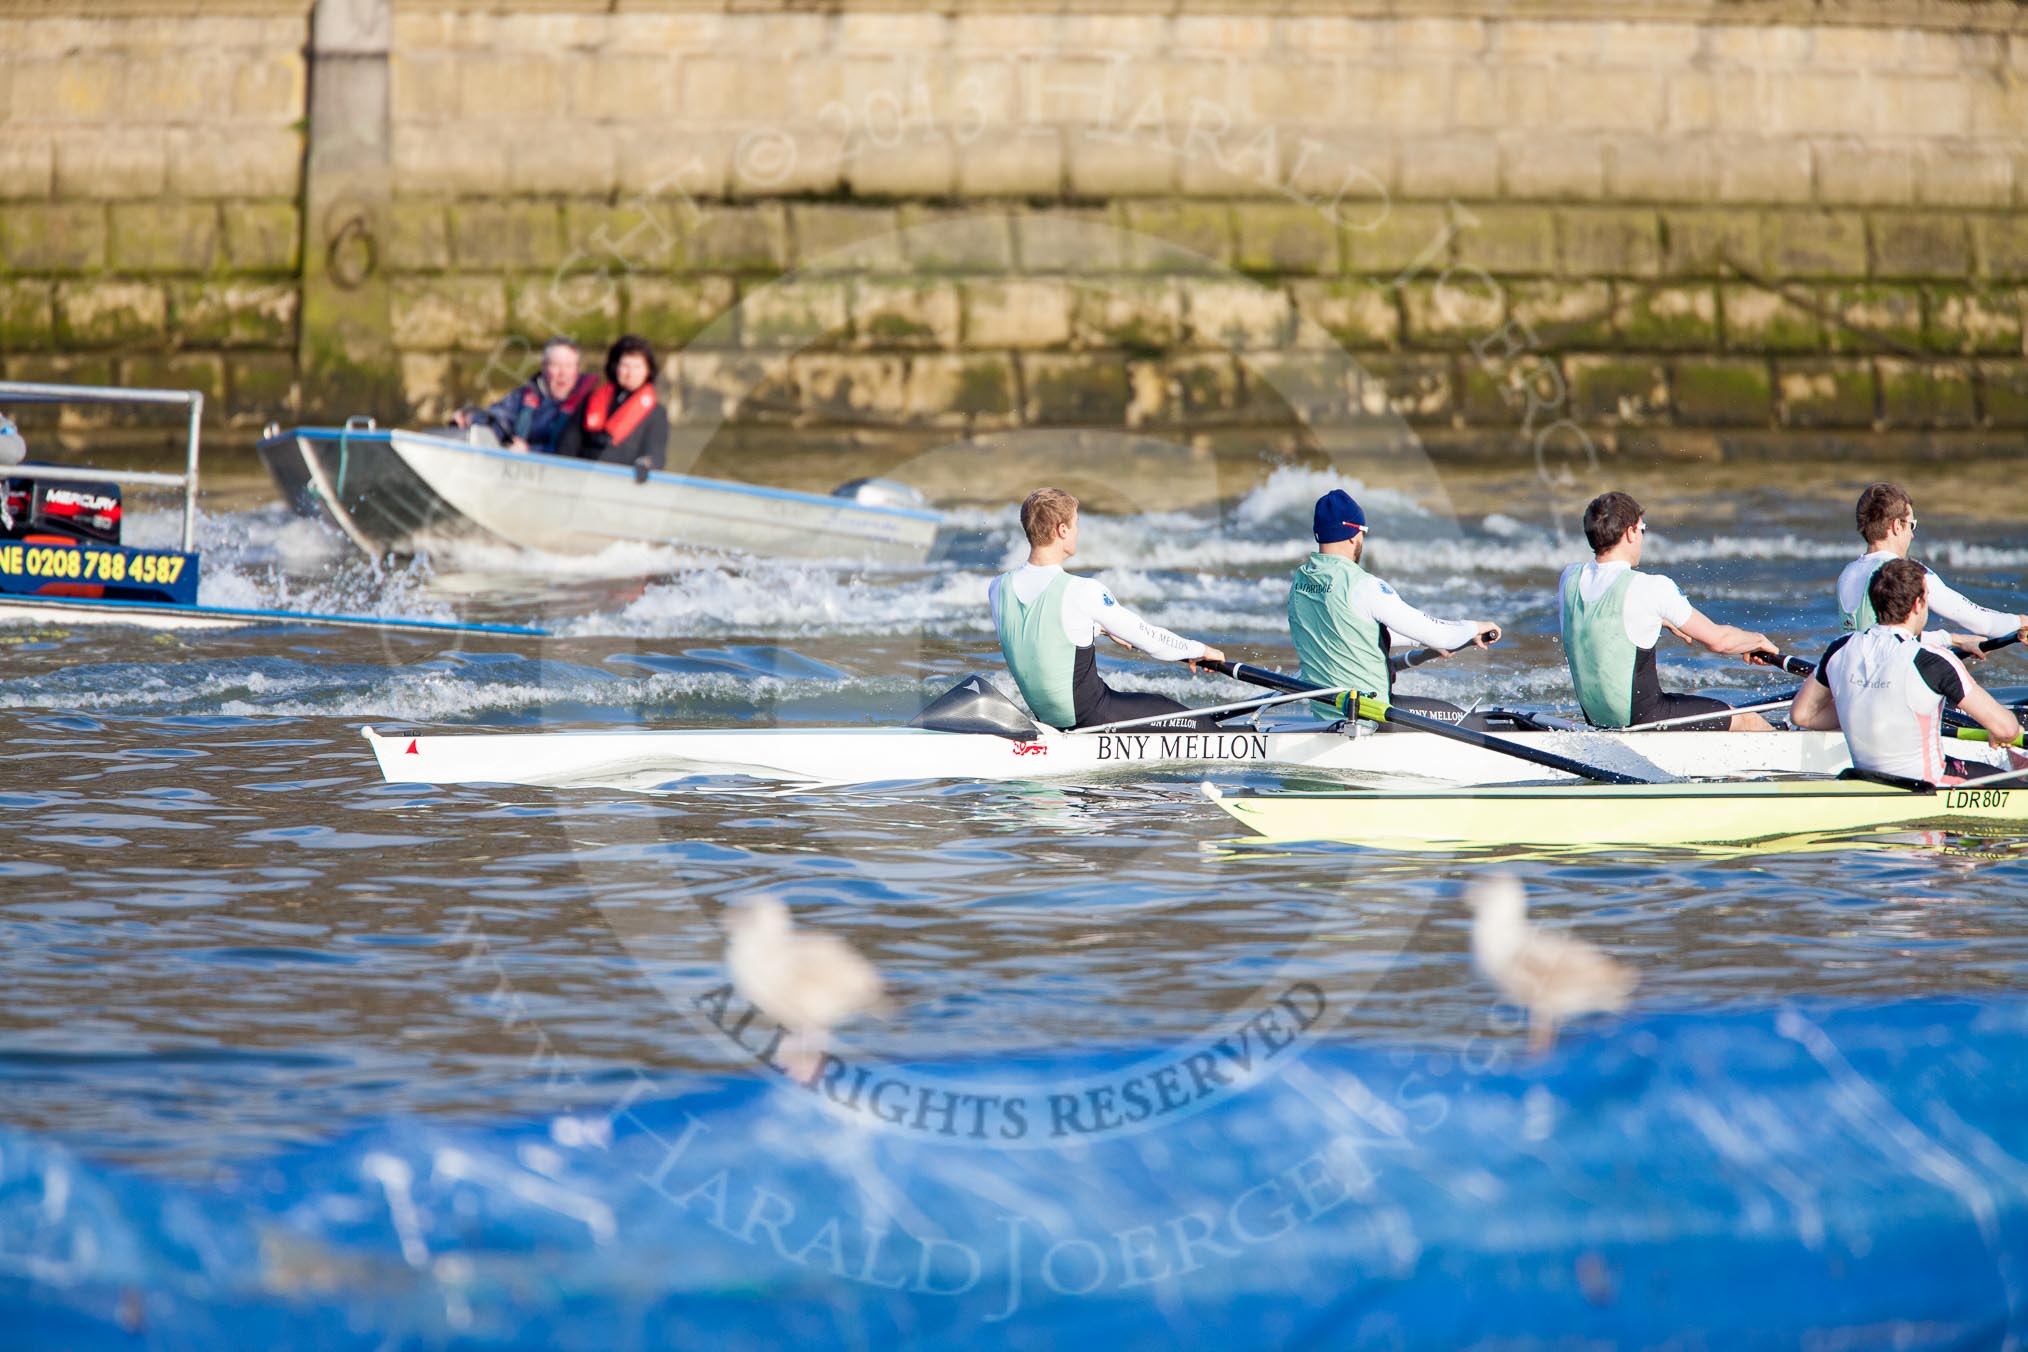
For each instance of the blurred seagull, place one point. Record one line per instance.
(807, 983)
(1552, 976)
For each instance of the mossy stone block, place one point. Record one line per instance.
(1723, 392)
(1820, 392)
(642, 234)
(1668, 318)
(674, 312)
(111, 314)
(1759, 320)
(2003, 393)
(503, 235)
(1710, 243)
(1416, 388)
(40, 237)
(1498, 394)
(27, 314)
(1206, 384)
(1454, 313)
(1284, 238)
(1873, 318)
(262, 236)
(200, 371)
(583, 304)
(164, 237)
(1629, 390)
(899, 313)
(749, 239)
(1609, 242)
(1921, 244)
(1385, 241)
(1929, 395)
(1086, 388)
(418, 236)
(1564, 315)
(233, 313)
(437, 314)
(2002, 245)
(795, 313)
(263, 386)
(855, 388)
(983, 385)
(1179, 236)
(1965, 319)
(1510, 241)
(1138, 316)
(1355, 312)
(1311, 386)
(835, 237)
(1828, 244)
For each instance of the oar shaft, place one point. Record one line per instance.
(1382, 712)
(1234, 707)
(1707, 717)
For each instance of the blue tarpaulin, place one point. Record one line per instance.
(1842, 1176)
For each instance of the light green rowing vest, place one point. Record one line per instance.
(1336, 645)
(1860, 620)
(1600, 654)
(1043, 660)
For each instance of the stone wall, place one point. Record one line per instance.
(976, 215)
(150, 171)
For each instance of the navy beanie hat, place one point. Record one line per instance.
(1338, 517)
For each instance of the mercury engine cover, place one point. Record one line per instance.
(976, 705)
(78, 511)
(880, 493)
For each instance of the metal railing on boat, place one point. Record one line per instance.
(32, 392)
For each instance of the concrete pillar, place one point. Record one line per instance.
(347, 352)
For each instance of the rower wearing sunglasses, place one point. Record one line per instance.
(1344, 619)
(1886, 520)
(1613, 616)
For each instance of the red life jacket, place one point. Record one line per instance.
(621, 423)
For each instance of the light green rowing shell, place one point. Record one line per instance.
(1579, 815)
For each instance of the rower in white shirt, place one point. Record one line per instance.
(1049, 622)
(1886, 520)
(1886, 688)
(1613, 617)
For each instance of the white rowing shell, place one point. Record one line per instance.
(650, 760)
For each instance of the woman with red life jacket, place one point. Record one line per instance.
(623, 423)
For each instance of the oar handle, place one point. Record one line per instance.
(1794, 666)
(1412, 659)
(1993, 645)
(1978, 734)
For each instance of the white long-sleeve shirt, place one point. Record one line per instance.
(1089, 608)
(1945, 603)
(1374, 600)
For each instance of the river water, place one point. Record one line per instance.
(223, 939)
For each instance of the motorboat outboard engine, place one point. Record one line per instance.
(53, 509)
(881, 493)
(975, 704)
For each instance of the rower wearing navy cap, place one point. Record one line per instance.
(1049, 622)
(1343, 618)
